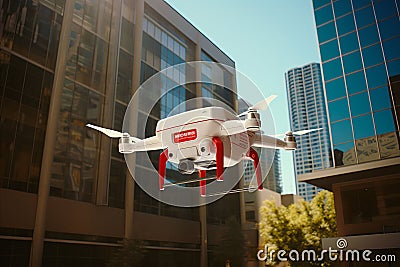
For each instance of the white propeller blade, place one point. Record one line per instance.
(262, 105)
(306, 131)
(301, 132)
(233, 127)
(108, 132)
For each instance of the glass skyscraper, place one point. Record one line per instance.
(66, 196)
(359, 43)
(307, 110)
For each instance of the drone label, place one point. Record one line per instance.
(185, 136)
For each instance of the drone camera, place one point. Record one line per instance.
(186, 166)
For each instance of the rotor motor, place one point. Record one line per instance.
(290, 141)
(252, 122)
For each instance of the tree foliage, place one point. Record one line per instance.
(300, 226)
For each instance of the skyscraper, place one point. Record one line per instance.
(66, 197)
(307, 111)
(359, 43)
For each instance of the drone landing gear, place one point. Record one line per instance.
(252, 155)
(162, 166)
(219, 157)
(202, 175)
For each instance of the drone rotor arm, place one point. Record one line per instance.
(267, 141)
(301, 132)
(135, 144)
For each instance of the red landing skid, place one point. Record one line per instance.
(219, 158)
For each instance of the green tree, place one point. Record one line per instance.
(130, 254)
(300, 226)
(231, 247)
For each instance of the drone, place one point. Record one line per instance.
(209, 138)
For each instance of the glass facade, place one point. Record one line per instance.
(359, 44)
(215, 91)
(77, 152)
(307, 111)
(96, 88)
(29, 36)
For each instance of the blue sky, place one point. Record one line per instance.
(265, 38)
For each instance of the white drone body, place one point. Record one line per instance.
(206, 139)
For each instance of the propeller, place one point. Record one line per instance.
(301, 132)
(108, 132)
(262, 105)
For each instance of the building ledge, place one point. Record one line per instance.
(325, 178)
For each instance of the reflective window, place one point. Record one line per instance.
(344, 154)
(384, 121)
(380, 98)
(124, 79)
(338, 110)
(345, 24)
(372, 55)
(384, 9)
(393, 68)
(341, 7)
(335, 89)
(119, 113)
(361, 3)
(323, 15)
(389, 144)
(352, 62)
(359, 104)
(349, 43)
(389, 28)
(116, 189)
(326, 32)
(356, 82)
(368, 35)
(395, 86)
(365, 16)
(127, 35)
(23, 117)
(367, 149)
(332, 69)
(85, 57)
(391, 48)
(329, 50)
(376, 76)
(363, 127)
(341, 132)
(75, 168)
(319, 3)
